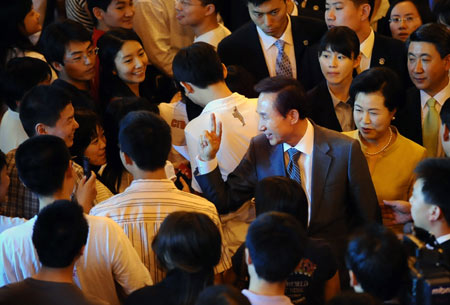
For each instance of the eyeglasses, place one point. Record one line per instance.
(398, 19)
(185, 3)
(83, 56)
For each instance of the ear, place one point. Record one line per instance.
(293, 116)
(187, 86)
(248, 259)
(447, 62)
(98, 13)
(446, 134)
(357, 61)
(57, 66)
(210, 9)
(40, 129)
(435, 213)
(127, 159)
(225, 71)
(365, 11)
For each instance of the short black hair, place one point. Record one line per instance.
(441, 9)
(437, 34)
(42, 104)
(445, 113)
(188, 241)
(371, 3)
(353, 298)
(380, 79)
(270, 236)
(102, 4)
(56, 37)
(221, 295)
(218, 4)
(282, 194)
(88, 122)
(42, 162)
(379, 261)
(59, 233)
(258, 2)
(291, 94)
(20, 75)
(435, 174)
(145, 137)
(198, 64)
(340, 39)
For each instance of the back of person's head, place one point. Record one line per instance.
(222, 295)
(445, 113)
(89, 123)
(434, 33)
(42, 104)
(56, 37)
(145, 138)
(20, 75)
(59, 233)
(240, 80)
(435, 174)
(270, 236)
(281, 194)
(379, 79)
(290, 94)
(378, 261)
(42, 163)
(198, 64)
(101, 4)
(441, 9)
(340, 39)
(353, 298)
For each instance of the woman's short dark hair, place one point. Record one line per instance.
(379, 79)
(340, 39)
(88, 122)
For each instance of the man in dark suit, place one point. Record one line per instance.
(330, 167)
(376, 50)
(253, 46)
(428, 65)
(430, 207)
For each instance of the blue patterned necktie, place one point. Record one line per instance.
(292, 169)
(282, 64)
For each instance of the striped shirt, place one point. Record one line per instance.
(141, 209)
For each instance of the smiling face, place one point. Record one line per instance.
(65, 126)
(404, 20)
(343, 13)
(96, 150)
(270, 17)
(31, 23)
(131, 62)
(371, 116)
(428, 71)
(337, 67)
(119, 14)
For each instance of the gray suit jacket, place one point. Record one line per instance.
(342, 192)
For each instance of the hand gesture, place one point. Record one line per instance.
(86, 192)
(209, 143)
(401, 211)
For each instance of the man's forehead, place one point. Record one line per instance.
(78, 46)
(422, 47)
(266, 6)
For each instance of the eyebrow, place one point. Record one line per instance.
(81, 52)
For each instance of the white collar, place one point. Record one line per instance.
(213, 105)
(442, 239)
(440, 97)
(366, 47)
(306, 143)
(267, 41)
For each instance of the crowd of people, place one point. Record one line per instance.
(198, 152)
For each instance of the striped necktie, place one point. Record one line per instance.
(292, 169)
(282, 64)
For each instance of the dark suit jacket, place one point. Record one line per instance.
(321, 107)
(243, 48)
(342, 193)
(409, 117)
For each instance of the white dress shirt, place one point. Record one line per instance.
(305, 146)
(12, 133)
(366, 48)
(215, 36)
(270, 51)
(440, 98)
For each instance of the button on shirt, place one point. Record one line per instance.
(305, 146)
(271, 52)
(366, 48)
(440, 98)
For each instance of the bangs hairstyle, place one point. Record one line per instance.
(198, 64)
(437, 34)
(340, 39)
(378, 79)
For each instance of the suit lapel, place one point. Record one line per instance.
(320, 166)
(327, 112)
(256, 54)
(278, 167)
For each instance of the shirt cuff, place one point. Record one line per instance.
(205, 167)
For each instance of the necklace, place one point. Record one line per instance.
(384, 147)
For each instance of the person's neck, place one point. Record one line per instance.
(59, 275)
(440, 228)
(142, 174)
(102, 27)
(81, 85)
(263, 287)
(364, 32)
(134, 88)
(214, 92)
(63, 194)
(341, 90)
(438, 87)
(298, 132)
(209, 24)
